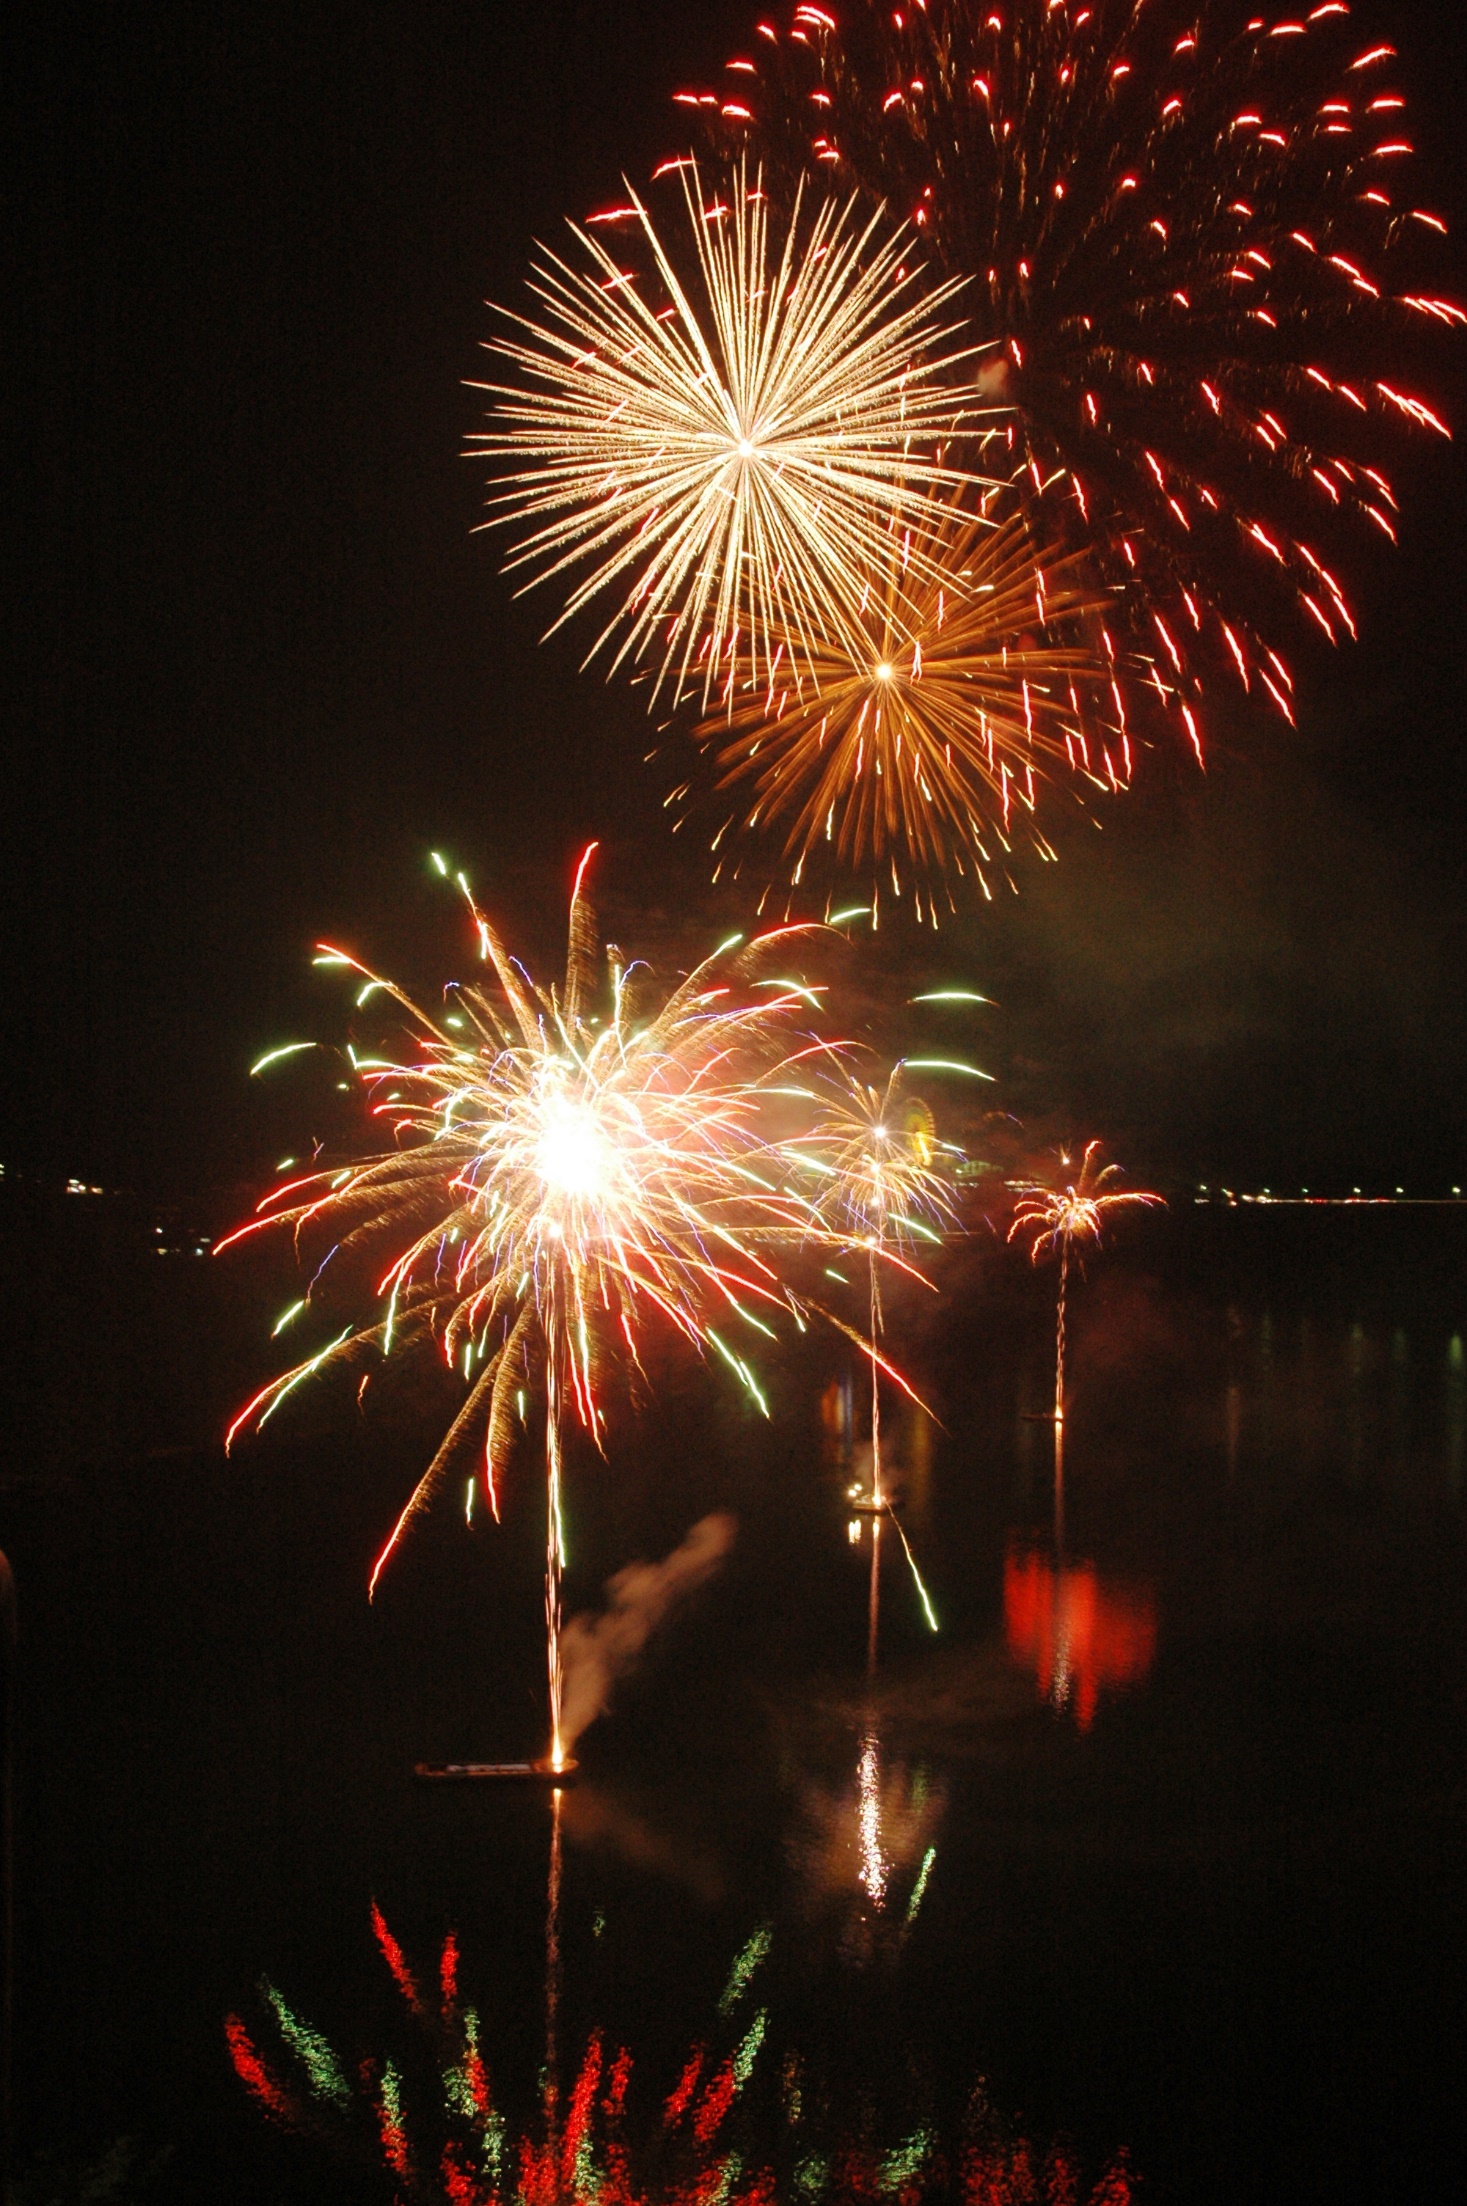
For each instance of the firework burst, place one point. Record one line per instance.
(563, 1168)
(1055, 1217)
(917, 736)
(707, 444)
(1190, 242)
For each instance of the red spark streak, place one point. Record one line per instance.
(392, 1953)
(253, 2073)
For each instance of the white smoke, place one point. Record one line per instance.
(597, 1650)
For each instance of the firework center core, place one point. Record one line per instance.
(571, 1157)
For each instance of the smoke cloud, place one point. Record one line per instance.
(597, 1650)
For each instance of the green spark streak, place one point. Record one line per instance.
(273, 1056)
(736, 1363)
(748, 2052)
(392, 2095)
(304, 1373)
(312, 2051)
(857, 911)
(951, 995)
(945, 1064)
(440, 863)
(494, 2144)
(920, 1886)
(753, 1955)
(728, 2174)
(927, 1609)
(796, 988)
(899, 2167)
(458, 2092)
(285, 1318)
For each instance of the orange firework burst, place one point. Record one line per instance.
(1057, 1217)
(717, 439)
(1192, 249)
(917, 735)
(558, 1174)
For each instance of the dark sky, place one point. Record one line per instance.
(258, 663)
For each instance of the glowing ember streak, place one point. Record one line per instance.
(556, 1178)
(1175, 223)
(916, 736)
(1056, 1218)
(719, 465)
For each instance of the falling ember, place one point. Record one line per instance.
(899, 738)
(1184, 232)
(715, 467)
(558, 1175)
(1056, 1218)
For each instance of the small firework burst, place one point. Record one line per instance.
(1055, 1216)
(882, 1186)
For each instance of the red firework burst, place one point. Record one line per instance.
(1188, 241)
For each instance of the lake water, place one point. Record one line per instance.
(1154, 1849)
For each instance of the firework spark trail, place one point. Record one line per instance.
(875, 1154)
(914, 739)
(877, 1157)
(715, 442)
(1057, 1218)
(1191, 244)
(558, 1178)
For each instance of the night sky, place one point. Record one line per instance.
(258, 663)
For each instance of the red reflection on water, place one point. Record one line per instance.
(1080, 1633)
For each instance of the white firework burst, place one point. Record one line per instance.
(711, 463)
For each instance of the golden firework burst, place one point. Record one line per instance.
(917, 736)
(713, 441)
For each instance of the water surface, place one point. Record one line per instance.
(1161, 1835)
